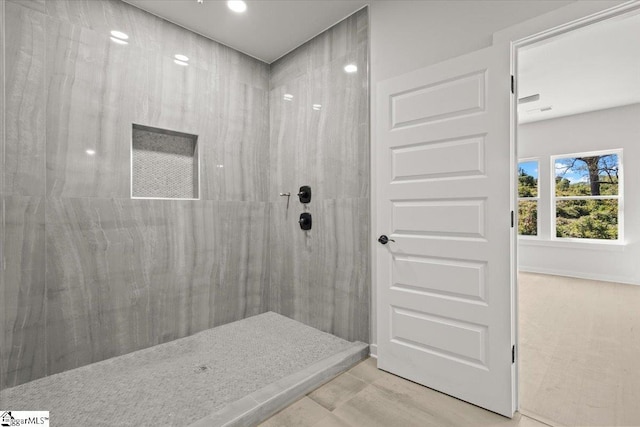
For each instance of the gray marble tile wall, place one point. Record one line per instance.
(321, 277)
(90, 273)
(23, 350)
(142, 272)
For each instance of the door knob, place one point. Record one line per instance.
(384, 239)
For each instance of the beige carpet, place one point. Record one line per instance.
(579, 351)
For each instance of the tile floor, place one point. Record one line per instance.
(579, 366)
(366, 396)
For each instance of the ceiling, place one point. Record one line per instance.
(590, 69)
(266, 31)
(593, 68)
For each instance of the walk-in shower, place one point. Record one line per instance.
(144, 237)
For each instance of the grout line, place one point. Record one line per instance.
(353, 376)
(44, 200)
(538, 418)
(364, 6)
(353, 396)
(3, 375)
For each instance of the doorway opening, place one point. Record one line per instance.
(576, 127)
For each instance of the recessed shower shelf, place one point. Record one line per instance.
(164, 164)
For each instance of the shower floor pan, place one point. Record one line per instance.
(236, 374)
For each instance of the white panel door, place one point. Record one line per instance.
(443, 198)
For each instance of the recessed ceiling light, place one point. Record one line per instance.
(288, 97)
(350, 68)
(237, 5)
(90, 152)
(317, 107)
(180, 57)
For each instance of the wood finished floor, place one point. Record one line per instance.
(579, 366)
(579, 351)
(367, 397)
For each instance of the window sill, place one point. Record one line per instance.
(572, 244)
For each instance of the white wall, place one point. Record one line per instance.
(408, 35)
(600, 130)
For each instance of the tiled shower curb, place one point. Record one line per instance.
(260, 405)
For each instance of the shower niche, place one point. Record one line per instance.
(164, 164)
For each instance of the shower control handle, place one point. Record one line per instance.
(305, 194)
(384, 239)
(305, 221)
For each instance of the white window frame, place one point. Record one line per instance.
(619, 197)
(536, 199)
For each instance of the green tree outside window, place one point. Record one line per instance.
(587, 196)
(528, 198)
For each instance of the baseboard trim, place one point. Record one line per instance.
(373, 350)
(577, 275)
(539, 418)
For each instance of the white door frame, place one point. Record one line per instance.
(569, 18)
(589, 19)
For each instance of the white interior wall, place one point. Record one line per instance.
(408, 35)
(600, 130)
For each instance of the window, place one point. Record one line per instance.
(528, 196)
(587, 200)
